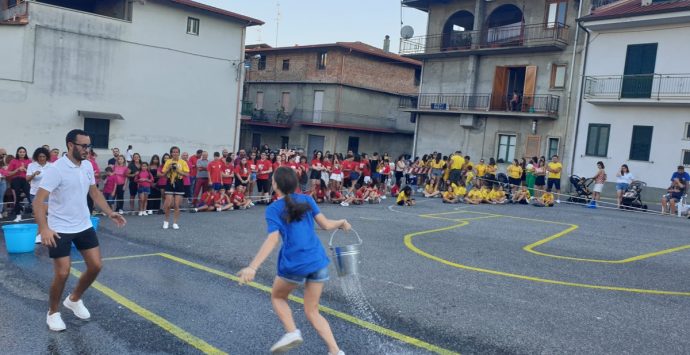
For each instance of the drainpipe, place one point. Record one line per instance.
(570, 89)
(578, 109)
(416, 121)
(240, 82)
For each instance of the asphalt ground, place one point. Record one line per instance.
(434, 278)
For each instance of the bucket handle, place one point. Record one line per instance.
(330, 242)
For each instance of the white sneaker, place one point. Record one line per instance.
(165, 224)
(120, 211)
(340, 352)
(175, 226)
(78, 308)
(55, 322)
(558, 201)
(149, 212)
(38, 239)
(383, 197)
(18, 218)
(287, 342)
(344, 204)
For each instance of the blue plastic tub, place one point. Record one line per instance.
(20, 238)
(95, 221)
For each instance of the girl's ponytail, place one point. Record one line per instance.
(286, 180)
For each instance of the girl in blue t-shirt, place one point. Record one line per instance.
(302, 258)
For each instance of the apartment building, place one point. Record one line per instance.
(149, 73)
(498, 77)
(329, 97)
(636, 95)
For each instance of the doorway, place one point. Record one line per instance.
(510, 81)
(256, 140)
(318, 106)
(314, 143)
(353, 144)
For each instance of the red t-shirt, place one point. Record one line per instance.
(277, 165)
(252, 165)
(237, 197)
(220, 199)
(328, 165)
(337, 169)
(144, 175)
(316, 163)
(242, 171)
(365, 168)
(228, 169)
(320, 194)
(304, 167)
(16, 164)
(386, 169)
(347, 166)
(208, 198)
(215, 168)
(293, 165)
(192, 165)
(263, 165)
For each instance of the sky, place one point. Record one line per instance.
(306, 22)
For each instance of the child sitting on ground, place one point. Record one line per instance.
(405, 197)
(522, 196)
(469, 178)
(474, 197)
(449, 196)
(546, 200)
(239, 201)
(498, 196)
(430, 190)
(222, 201)
(372, 194)
(459, 190)
(337, 197)
(486, 194)
(395, 190)
(207, 201)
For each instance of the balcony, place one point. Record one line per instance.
(328, 119)
(535, 106)
(497, 40)
(15, 15)
(644, 89)
(599, 3)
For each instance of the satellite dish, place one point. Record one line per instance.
(406, 32)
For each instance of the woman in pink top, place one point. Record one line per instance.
(17, 172)
(162, 179)
(144, 179)
(120, 171)
(96, 173)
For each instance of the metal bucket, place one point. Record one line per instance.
(346, 258)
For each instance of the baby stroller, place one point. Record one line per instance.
(503, 182)
(582, 193)
(632, 197)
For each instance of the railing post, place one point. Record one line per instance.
(620, 89)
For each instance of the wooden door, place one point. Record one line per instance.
(529, 89)
(498, 95)
(533, 146)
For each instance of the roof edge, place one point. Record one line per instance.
(250, 21)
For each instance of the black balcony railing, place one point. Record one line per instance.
(272, 117)
(537, 104)
(659, 87)
(283, 118)
(516, 36)
(600, 3)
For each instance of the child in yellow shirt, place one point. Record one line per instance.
(430, 190)
(546, 200)
(405, 197)
(449, 196)
(474, 197)
(486, 194)
(498, 196)
(522, 196)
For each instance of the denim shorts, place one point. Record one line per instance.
(621, 186)
(318, 276)
(144, 190)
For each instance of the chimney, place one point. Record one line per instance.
(387, 44)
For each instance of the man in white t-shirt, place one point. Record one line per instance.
(67, 182)
(128, 154)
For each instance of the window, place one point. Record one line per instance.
(687, 131)
(193, 26)
(685, 157)
(598, 140)
(286, 64)
(558, 76)
(353, 144)
(285, 101)
(262, 62)
(556, 11)
(321, 59)
(284, 141)
(641, 143)
(553, 147)
(638, 78)
(99, 131)
(417, 76)
(256, 140)
(259, 100)
(506, 148)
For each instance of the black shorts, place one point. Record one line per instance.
(239, 182)
(187, 191)
(175, 188)
(455, 175)
(133, 188)
(227, 187)
(540, 180)
(514, 182)
(553, 182)
(315, 175)
(263, 185)
(347, 182)
(83, 240)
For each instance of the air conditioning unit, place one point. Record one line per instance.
(439, 106)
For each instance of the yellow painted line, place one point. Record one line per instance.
(166, 325)
(408, 240)
(344, 316)
(119, 258)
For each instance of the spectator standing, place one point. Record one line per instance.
(129, 154)
(3, 185)
(457, 161)
(599, 180)
(17, 172)
(192, 169)
(113, 160)
(133, 169)
(554, 168)
(35, 169)
(175, 169)
(623, 179)
(201, 184)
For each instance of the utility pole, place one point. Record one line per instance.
(277, 21)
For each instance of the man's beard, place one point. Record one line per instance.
(77, 156)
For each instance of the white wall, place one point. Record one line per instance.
(171, 88)
(606, 56)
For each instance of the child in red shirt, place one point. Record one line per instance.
(207, 201)
(228, 173)
(144, 179)
(222, 201)
(215, 172)
(109, 186)
(264, 168)
(238, 199)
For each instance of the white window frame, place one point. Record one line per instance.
(548, 147)
(686, 136)
(554, 76)
(508, 159)
(682, 157)
(193, 25)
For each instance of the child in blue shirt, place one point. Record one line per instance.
(302, 258)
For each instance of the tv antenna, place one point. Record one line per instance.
(277, 21)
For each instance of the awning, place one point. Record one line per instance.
(100, 115)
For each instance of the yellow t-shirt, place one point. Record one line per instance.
(514, 171)
(475, 194)
(486, 193)
(172, 173)
(402, 197)
(458, 190)
(446, 173)
(457, 162)
(481, 169)
(439, 165)
(547, 199)
(527, 194)
(468, 177)
(552, 166)
(429, 188)
(448, 195)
